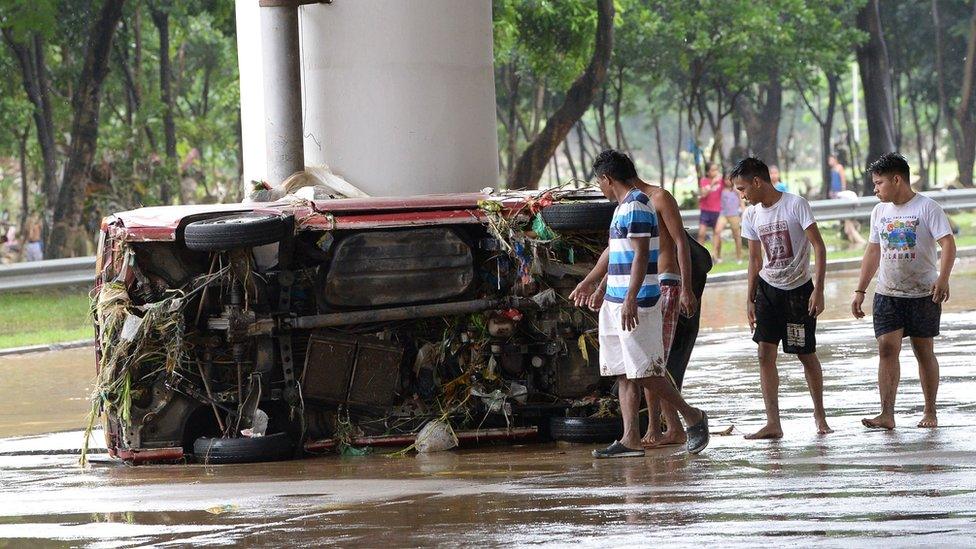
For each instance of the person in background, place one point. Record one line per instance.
(913, 283)
(709, 202)
(731, 216)
(778, 184)
(33, 250)
(838, 181)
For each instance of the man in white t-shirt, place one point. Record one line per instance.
(908, 298)
(783, 301)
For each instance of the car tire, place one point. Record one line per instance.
(213, 451)
(234, 231)
(586, 429)
(579, 216)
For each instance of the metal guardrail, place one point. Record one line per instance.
(48, 273)
(81, 270)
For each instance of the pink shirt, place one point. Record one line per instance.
(712, 201)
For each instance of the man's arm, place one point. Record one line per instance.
(581, 295)
(816, 305)
(940, 291)
(755, 263)
(667, 208)
(869, 266)
(638, 270)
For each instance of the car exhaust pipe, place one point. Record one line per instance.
(399, 313)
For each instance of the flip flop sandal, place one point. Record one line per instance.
(617, 450)
(698, 435)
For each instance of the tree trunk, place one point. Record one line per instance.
(84, 130)
(872, 62)
(788, 146)
(923, 162)
(30, 58)
(584, 163)
(513, 86)
(762, 123)
(896, 86)
(660, 149)
(538, 108)
(160, 17)
(962, 122)
(826, 130)
(618, 127)
(601, 120)
(569, 158)
(130, 78)
(736, 132)
(853, 147)
(677, 154)
(24, 187)
(533, 161)
(826, 123)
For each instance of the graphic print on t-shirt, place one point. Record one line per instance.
(775, 238)
(898, 237)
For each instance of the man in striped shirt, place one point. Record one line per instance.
(631, 342)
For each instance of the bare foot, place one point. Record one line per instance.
(651, 440)
(767, 432)
(882, 421)
(671, 437)
(928, 421)
(822, 427)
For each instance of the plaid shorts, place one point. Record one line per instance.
(670, 304)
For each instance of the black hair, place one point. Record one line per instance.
(891, 163)
(615, 164)
(750, 167)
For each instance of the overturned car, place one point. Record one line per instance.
(261, 331)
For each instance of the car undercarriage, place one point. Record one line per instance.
(316, 329)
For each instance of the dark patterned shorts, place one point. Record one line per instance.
(783, 315)
(918, 316)
(708, 219)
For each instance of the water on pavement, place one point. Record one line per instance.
(869, 488)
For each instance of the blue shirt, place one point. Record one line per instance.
(633, 218)
(835, 183)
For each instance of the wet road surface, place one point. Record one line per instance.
(854, 487)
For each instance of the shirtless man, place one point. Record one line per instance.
(674, 268)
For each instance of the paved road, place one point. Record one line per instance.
(854, 487)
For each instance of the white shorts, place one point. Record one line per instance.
(636, 354)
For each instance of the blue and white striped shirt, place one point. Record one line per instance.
(633, 218)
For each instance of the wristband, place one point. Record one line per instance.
(860, 292)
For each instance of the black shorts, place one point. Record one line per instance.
(918, 316)
(783, 315)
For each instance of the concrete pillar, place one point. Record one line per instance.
(399, 95)
(282, 83)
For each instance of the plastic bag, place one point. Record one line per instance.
(436, 436)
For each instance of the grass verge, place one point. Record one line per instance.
(44, 316)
